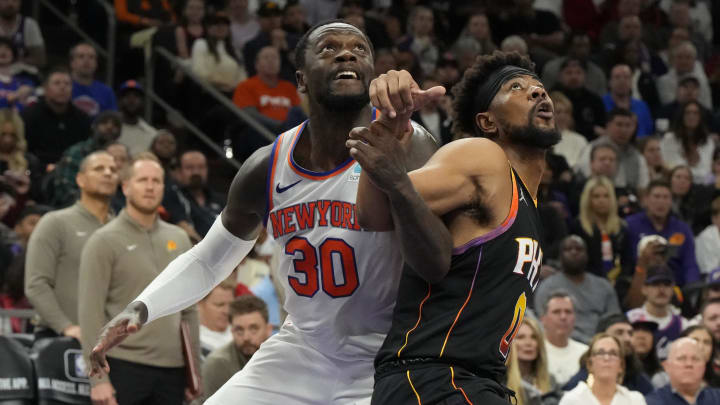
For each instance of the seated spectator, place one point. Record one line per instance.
(106, 130)
(710, 318)
(689, 142)
(527, 367)
(714, 178)
(248, 317)
(644, 65)
(294, 19)
(191, 27)
(53, 124)
(691, 202)
(617, 325)
(571, 143)
(447, 70)
(578, 48)
(563, 352)
(620, 95)
(514, 43)
(679, 17)
(436, 116)
(600, 226)
(213, 312)
(136, 134)
(656, 219)
(588, 108)
(594, 295)
(384, 61)
(145, 13)
(352, 11)
(542, 29)
(658, 293)
(204, 205)
(708, 241)
(24, 32)
(420, 39)
(15, 91)
(164, 146)
(605, 360)
(88, 94)
(265, 96)
(643, 344)
(706, 342)
(212, 60)
(686, 368)
(632, 171)
(684, 62)
(121, 156)
(688, 89)
(651, 151)
(14, 155)
(243, 25)
(476, 35)
(271, 34)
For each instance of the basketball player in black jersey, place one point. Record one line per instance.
(453, 327)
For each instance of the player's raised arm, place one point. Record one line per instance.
(192, 275)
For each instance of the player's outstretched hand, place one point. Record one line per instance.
(381, 152)
(396, 92)
(128, 321)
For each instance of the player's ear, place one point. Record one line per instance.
(300, 79)
(485, 121)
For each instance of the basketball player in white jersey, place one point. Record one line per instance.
(340, 281)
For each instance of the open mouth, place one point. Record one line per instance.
(346, 75)
(544, 110)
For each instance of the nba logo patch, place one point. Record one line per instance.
(355, 174)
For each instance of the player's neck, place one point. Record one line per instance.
(99, 207)
(529, 164)
(322, 144)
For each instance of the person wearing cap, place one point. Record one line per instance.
(90, 95)
(617, 325)
(707, 243)
(135, 133)
(106, 130)
(53, 124)
(684, 62)
(271, 34)
(620, 95)
(588, 108)
(53, 253)
(643, 343)
(688, 89)
(658, 308)
(213, 59)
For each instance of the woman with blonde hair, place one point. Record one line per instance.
(13, 145)
(527, 366)
(605, 362)
(602, 229)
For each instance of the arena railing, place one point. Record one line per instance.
(107, 52)
(6, 313)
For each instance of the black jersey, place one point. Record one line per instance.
(469, 318)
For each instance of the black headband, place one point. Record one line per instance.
(489, 89)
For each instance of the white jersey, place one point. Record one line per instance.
(340, 281)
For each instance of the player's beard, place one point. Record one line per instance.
(531, 135)
(342, 102)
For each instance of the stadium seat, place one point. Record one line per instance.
(17, 385)
(60, 370)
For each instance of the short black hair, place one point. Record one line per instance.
(466, 90)
(303, 43)
(618, 112)
(609, 320)
(658, 183)
(572, 60)
(56, 70)
(247, 304)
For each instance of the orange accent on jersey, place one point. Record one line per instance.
(407, 335)
(413, 388)
(514, 203)
(334, 172)
(462, 391)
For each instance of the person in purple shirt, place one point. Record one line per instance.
(657, 220)
(620, 95)
(88, 94)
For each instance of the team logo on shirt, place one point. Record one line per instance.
(171, 245)
(529, 253)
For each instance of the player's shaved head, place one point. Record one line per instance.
(321, 29)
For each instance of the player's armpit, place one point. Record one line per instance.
(449, 180)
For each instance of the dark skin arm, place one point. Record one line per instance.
(242, 216)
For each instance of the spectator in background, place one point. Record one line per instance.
(53, 124)
(244, 26)
(117, 263)
(606, 235)
(710, 313)
(53, 254)
(527, 367)
(679, 17)
(541, 29)
(248, 317)
(588, 108)
(651, 151)
(271, 34)
(642, 63)
(88, 94)
(684, 62)
(24, 32)
(15, 91)
(689, 142)
(688, 90)
(144, 13)
(558, 319)
(384, 61)
(353, 11)
(266, 96)
(686, 369)
(447, 70)
(632, 171)
(707, 242)
(571, 143)
(476, 35)
(294, 19)
(705, 340)
(579, 47)
(605, 361)
(420, 39)
(213, 60)
(435, 116)
(213, 313)
(656, 219)
(14, 155)
(691, 202)
(191, 27)
(106, 130)
(164, 146)
(620, 95)
(594, 295)
(658, 292)
(514, 43)
(121, 155)
(136, 133)
(204, 205)
(643, 344)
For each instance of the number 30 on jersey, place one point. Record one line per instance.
(322, 272)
